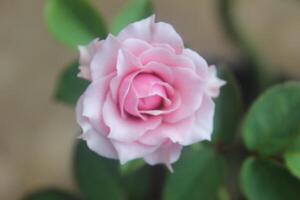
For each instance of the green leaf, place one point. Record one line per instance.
(135, 10)
(97, 177)
(292, 157)
(69, 86)
(228, 108)
(264, 180)
(197, 175)
(137, 183)
(273, 121)
(73, 22)
(132, 166)
(50, 194)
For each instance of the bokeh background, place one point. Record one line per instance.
(37, 133)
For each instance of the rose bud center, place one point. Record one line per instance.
(149, 91)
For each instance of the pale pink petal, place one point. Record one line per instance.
(139, 30)
(213, 82)
(166, 57)
(171, 104)
(179, 132)
(152, 32)
(127, 63)
(190, 88)
(133, 150)
(92, 103)
(164, 46)
(135, 46)
(99, 143)
(85, 57)
(105, 60)
(204, 117)
(165, 33)
(167, 154)
(200, 63)
(126, 129)
(163, 71)
(123, 90)
(83, 121)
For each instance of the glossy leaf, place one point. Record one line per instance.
(69, 86)
(97, 177)
(292, 157)
(73, 22)
(135, 10)
(228, 108)
(50, 194)
(273, 121)
(264, 180)
(197, 175)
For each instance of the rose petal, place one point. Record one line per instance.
(190, 88)
(125, 129)
(86, 55)
(105, 60)
(135, 46)
(203, 125)
(163, 71)
(152, 32)
(166, 57)
(167, 154)
(130, 151)
(200, 63)
(127, 63)
(213, 82)
(99, 144)
(93, 100)
(178, 132)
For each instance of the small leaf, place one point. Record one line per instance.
(97, 177)
(135, 10)
(228, 108)
(264, 180)
(292, 157)
(50, 194)
(73, 22)
(273, 121)
(69, 86)
(198, 175)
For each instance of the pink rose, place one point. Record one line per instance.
(148, 95)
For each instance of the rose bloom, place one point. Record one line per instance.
(148, 95)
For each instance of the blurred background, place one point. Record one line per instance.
(37, 133)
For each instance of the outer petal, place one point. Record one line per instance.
(190, 88)
(130, 151)
(105, 60)
(153, 32)
(126, 129)
(200, 63)
(167, 154)
(213, 82)
(95, 137)
(100, 144)
(203, 126)
(86, 55)
(180, 132)
(92, 103)
(135, 46)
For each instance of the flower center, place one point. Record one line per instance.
(149, 91)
